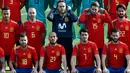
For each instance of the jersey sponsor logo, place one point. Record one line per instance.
(57, 53)
(62, 27)
(11, 29)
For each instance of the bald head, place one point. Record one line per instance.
(53, 38)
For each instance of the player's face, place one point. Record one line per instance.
(115, 36)
(53, 38)
(62, 7)
(32, 13)
(84, 36)
(6, 15)
(121, 12)
(94, 10)
(23, 41)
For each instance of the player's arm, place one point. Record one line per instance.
(72, 17)
(104, 56)
(98, 70)
(41, 61)
(64, 62)
(11, 61)
(106, 17)
(2, 60)
(50, 16)
(22, 3)
(73, 59)
(128, 59)
(83, 16)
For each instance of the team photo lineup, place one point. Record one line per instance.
(64, 36)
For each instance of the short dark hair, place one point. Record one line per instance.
(83, 30)
(22, 34)
(115, 30)
(95, 4)
(121, 6)
(5, 8)
(60, 2)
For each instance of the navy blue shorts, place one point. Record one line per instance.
(52, 70)
(116, 70)
(86, 70)
(23, 70)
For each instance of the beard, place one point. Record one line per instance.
(115, 41)
(52, 43)
(120, 15)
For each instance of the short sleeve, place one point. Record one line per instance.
(42, 52)
(1, 53)
(74, 53)
(95, 49)
(63, 50)
(104, 51)
(13, 55)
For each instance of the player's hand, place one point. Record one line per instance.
(64, 71)
(127, 71)
(34, 71)
(2, 71)
(101, 9)
(105, 70)
(74, 71)
(98, 70)
(42, 71)
(13, 71)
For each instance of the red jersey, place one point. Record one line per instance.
(14, 6)
(124, 27)
(85, 54)
(1, 55)
(34, 33)
(95, 26)
(53, 56)
(110, 6)
(116, 54)
(8, 36)
(24, 58)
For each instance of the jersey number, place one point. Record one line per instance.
(6, 35)
(33, 34)
(52, 59)
(95, 26)
(24, 61)
(115, 56)
(122, 33)
(85, 56)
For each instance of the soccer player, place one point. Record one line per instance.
(94, 22)
(51, 56)
(15, 7)
(115, 52)
(110, 6)
(62, 25)
(84, 53)
(8, 33)
(123, 24)
(39, 6)
(2, 61)
(23, 56)
(34, 29)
